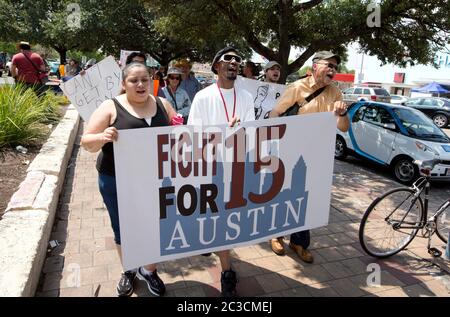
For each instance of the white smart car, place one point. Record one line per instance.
(395, 136)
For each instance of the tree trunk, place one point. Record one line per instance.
(62, 55)
(284, 48)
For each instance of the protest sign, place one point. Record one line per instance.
(185, 190)
(86, 92)
(265, 95)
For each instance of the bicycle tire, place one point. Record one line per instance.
(369, 243)
(443, 224)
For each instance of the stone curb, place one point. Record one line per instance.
(27, 223)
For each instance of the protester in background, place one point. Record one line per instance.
(190, 84)
(137, 57)
(72, 69)
(134, 109)
(160, 78)
(28, 69)
(325, 65)
(162, 70)
(219, 104)
(272, 72)
(176, 95)
(250, 70)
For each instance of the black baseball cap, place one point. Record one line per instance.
(219, 55)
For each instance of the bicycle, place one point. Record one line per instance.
(393, 220)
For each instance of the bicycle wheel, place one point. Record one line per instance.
(443, 225)
(384, 227)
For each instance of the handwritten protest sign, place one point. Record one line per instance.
(86, 92)
(188, 190)
(265, 95)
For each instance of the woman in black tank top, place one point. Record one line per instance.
(134, 109)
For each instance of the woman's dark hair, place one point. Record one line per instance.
(133, 55)
(255, 69)
(128, 67)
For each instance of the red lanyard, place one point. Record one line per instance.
(225, 105)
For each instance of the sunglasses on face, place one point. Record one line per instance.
(174, 78)
(227, 58)
(330, 65)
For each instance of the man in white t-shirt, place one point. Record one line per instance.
(223, 103)
(216, 103)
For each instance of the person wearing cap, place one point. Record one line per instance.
(189, 83)
(325, 65)
(28, 68)
(223, 103)
(176, 95)
(272, 72)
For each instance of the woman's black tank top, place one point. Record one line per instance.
(124, 120)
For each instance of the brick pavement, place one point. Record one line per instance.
(86, 262)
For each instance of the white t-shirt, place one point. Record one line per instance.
(208, 108)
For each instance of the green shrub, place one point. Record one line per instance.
(24, 116)
(51, 107)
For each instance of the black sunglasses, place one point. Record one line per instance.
(229, 57)
(176, 78)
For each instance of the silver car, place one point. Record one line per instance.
(365, 93)
(398, 99)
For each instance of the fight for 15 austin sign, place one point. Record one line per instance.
(188, 190)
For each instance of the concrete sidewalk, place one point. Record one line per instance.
(86, 263)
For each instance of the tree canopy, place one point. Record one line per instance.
(408, 32)
(404, 33)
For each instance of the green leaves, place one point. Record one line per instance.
(24, 116)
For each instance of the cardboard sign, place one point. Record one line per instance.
(101, 82)
(183, 191)
(265, 95)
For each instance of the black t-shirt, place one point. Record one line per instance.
(124, 120)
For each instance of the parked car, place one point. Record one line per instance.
(54, 66)
(398, 99)
(366, 93)
(436, 108)
(394, 136)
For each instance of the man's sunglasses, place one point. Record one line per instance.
(330, 65)
(174, 78)
(227, 58)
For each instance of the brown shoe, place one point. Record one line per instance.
(303, 254)
(277, 245)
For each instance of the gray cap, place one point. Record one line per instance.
(271, 64)
(219, 55)
(326, 55)
(174, 71)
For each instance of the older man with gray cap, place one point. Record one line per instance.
(304, 92)
(272, 72)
